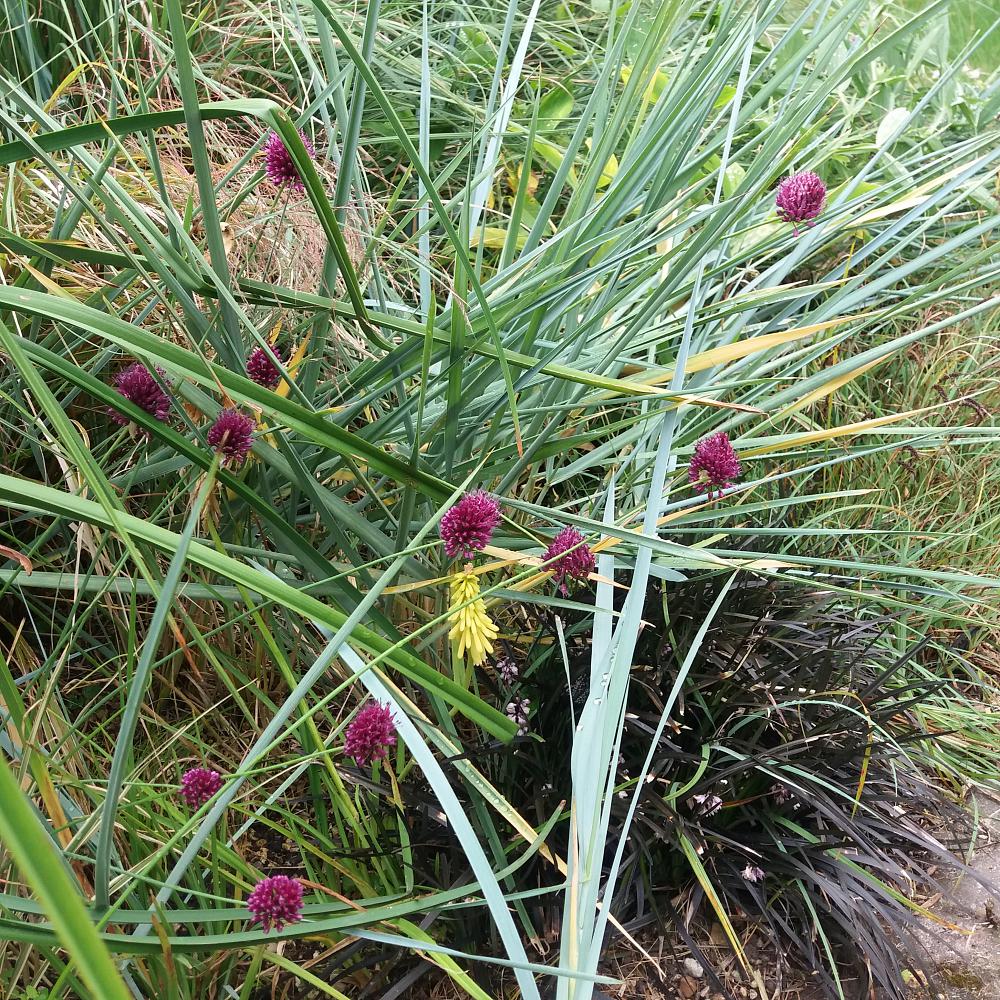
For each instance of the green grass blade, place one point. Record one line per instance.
(33, 850)
(137, 690)
(22, 494)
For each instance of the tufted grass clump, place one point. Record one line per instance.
(446, 513)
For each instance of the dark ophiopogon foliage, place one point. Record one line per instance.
(794, 768)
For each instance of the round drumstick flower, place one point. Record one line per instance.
(137, 384)
(572, 557)
(198, 785)
(370, 734)
(261, 367)
(471, 627)
(800, 198)
(278, 162)
(714, 464)
(468, 526)
(232, 435)
(276, 901)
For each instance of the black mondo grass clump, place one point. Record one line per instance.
(789, 792)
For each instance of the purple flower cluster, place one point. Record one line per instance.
(800, 198)
(714, 465)
(569, 558)
(137, 384)
(506, 669)
(198, 785)
(232, 435)
(278, 162)
(781, 794)
(370, 735)
(261, 367)
(518, 711)
(468, 526)
(705, 803)
(276, 901)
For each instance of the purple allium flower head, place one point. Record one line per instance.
(469, 525)
(138, 386)
(800, 198)
(573, 558)
(261, 367)
(518, 711)
(276, 901)
(198, 785)
(714, 464)
(752, 873)
(232, 434)
(370, 734)
(278, 163)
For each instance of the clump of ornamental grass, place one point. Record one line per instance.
(779, 771)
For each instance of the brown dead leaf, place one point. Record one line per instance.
(17, 557)
(687, 987)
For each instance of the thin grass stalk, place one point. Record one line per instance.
(32, 848)
(137, 691)
(203, 173)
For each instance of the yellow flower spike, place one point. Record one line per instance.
(471, 627)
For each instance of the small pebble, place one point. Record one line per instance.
(693, 968)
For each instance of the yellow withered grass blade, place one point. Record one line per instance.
(744, 348)
(914, 198)
(844, 430)
(293, 363)
(691, 853)
(829, 387)
(283, 388)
